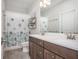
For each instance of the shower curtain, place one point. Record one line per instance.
(16, 28)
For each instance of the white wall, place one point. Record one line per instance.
(43, 24)
(3, 17)
(65, 6)
(36, 12)
(68, 21)
(53, 25)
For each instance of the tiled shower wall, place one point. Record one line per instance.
(16, 28)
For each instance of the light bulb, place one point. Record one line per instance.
(41, 4)
(48, 3)
(45, 3)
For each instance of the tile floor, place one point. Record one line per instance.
(16, 54)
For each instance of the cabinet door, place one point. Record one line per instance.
(32, 50)
(30, 44)
(39, 52)
(48, 55)
(58, 57)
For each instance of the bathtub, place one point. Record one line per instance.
(17, 46)
(2, 51)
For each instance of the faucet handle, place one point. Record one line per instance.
(74, 37)
(69, 35)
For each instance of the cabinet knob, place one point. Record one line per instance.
(52, 56)
(40, 52)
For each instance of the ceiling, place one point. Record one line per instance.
(48, 8)
(25, 6)
(22, 6)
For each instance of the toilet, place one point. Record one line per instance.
(25, 47)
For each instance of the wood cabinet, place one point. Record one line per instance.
(50, 55)
(35, 49)
(39, 49)
(32, 50)
(58, 57)
(62, 51)
(39, 53)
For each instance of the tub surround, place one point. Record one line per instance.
(16, 54)
(12, 48)
(24, 46)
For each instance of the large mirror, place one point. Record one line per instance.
(59, 16)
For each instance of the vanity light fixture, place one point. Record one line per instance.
(45, 3)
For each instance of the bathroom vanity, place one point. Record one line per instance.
(40, 47)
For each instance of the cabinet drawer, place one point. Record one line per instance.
(51, 47)
(39, 42)
(48, 55)
(58, 57)
(62, 51)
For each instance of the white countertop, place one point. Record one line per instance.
(59, 39)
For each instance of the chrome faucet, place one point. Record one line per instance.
(71, 36)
